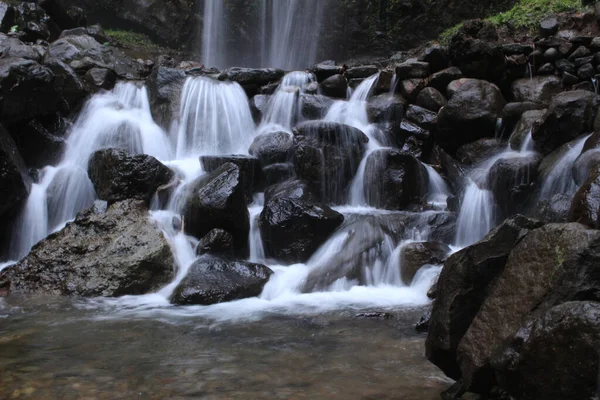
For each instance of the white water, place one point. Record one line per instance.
(213, 34)
(283, 110)
(560, 178)
(438, 192)
(255, 243)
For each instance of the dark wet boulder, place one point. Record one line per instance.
(411, 69)
(512, 180)
(38, 146)
(522, 130)
(292, 225)
(326, 156)
(431, 99)
(12, 47)
(14, 177)
(212, 280)
(416, 255)
(100, 78)
(117, 175)
(277, 173)
(216, 200)
(67, 83)
(554, 209)
(409, 129)
(68, 17)
(551, 265)
(26, 82)
(254, 76)
(471, 113)
(585, 207)
(585, 164)
(477, 58)
(335, 86)
(554, 355)
(249, 167)
(314, 106)
(441, 79)
(116, 253)
(385, 107)
(164, 91)
(361, 71)
(34, 24)
(272, 147)
(421, 116)
(512, 113)
(436, 56)
(217, 242)
(479, 150)
(326, 69)
(539, 89)
(394, 180)
(464, 284)
(410, 88)
(570, 114)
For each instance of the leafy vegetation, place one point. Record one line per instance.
(129, 38)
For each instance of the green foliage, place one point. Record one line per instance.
(129, 38)
(528, 13)
(448, 33)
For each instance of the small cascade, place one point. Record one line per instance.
(215, 119)
(283, 110)
(528, 144)
(595, 83)
(120, 118)
(255, 243)
(560, 178)
(438, 189)
(393, 84)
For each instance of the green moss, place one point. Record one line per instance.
(524, 14)
(528, 13)
(129, 38)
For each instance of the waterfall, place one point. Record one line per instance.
(119, 118)
(438, 189)
(560, 178)
(215, 119)
(283, 109)
(213, 34)
(255, 243)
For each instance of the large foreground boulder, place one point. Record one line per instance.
(116, 253)
(394, 180)
(570, 114)
(554, 356)
(117, 176)
(549, 266)
(326, 156)
(216, 200)
(212, 280)
(292, 225)
(463, 285)
(14, 179)
(471, 113)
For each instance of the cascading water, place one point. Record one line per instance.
(438, 192)
(215, 119)
(283, 110)
(213, 34)
(119, 118)
(560, 177)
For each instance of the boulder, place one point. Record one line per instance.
(249, 167)
(326, 156)
(26, 82)
(335, 86)
(570, 114)
(211, 280)
(326, 69)
(273, 147)
(539, 89)
(431, 99)
(314, 106)
(477, 58)
(164, 91)
(441, 79)
(385, 107)
(411, 69)
(362, 71)
(585, 207)
(34, 24)
(464, 284)
(292, 226)
(479, 150)
(116, 253)
(471, 113)
(14, 177)
(118, 176)
(216, 200)
(277, 173)
(512, 181)
(410, 88)
(512, 113)
(550, 265)
(67, 83)
(100, 78)
(409, 129)
(436, 56)
(422, 117)
(416, 255)
(545, 358)
(65, 17)
(14, 48)
(585, 164)
(554, 209)
(217, 242)
(37, 145)
(254, 76)
(394, 180)
(524, 128)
